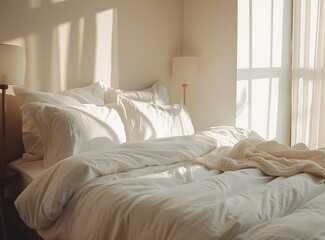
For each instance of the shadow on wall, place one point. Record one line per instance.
(68, 43)
(264, 67)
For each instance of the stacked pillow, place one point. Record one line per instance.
(157, 94)
(34, 146)
(59, 125)
(145, 120)
(68, 130)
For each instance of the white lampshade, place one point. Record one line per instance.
(185, 69)
(11, 65)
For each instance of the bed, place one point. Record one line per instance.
(149, 175)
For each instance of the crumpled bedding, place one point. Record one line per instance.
(271, 157)
(154, 190)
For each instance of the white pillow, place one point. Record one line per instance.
(144, 120)
(34, 149)
(68, 130)
(93, 94)
(157, 93)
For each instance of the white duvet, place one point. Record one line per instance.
(153, 190)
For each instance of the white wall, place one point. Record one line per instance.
(150, 34)
(210, 33)
(128, 44)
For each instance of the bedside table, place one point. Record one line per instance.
(9, 177)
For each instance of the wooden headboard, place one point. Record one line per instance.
(14, 142)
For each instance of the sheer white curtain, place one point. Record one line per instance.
(308, 86)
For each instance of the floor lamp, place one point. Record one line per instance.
(185, 71)
(11, 73)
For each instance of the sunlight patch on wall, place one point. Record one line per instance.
(71, 50)
(81, 26)
(58, 1)
(35, 3)
(63, 31)
(103, 61)
(76, 58)
(17, 42)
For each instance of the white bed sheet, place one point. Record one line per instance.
(153, 190)
(28, 171)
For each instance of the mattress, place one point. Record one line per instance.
(28, 171)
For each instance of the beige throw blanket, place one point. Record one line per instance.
(272, 158)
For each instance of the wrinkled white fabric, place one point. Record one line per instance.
(271, 157)
(152, 190)
(47, 195)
